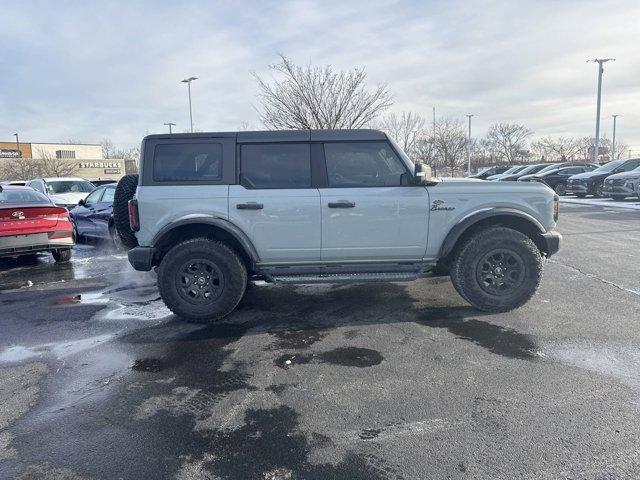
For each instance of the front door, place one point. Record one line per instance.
(275, 204)
(369, 211)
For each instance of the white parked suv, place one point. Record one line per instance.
(211, 210)
(63, 191)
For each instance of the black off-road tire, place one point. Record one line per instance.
(173, 289)
(466, 269)
(124, 192)
(61, 256)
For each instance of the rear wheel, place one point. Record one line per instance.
(61, 256)
(116, 241)
(561, 189)
(497, 269)
(125, 191)
(201, 280)
(618, 198)
(581, 195)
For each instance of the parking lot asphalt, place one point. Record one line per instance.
(375, 381)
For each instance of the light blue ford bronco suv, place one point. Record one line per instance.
(211, 211)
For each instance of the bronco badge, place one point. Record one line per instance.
(439, 205)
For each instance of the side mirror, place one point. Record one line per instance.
(423, 173)
(81, 202)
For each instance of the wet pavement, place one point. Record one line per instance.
(376, 381)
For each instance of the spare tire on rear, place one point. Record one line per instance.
(125, 191)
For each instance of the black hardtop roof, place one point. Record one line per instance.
(281, 135)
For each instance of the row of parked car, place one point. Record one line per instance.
(51, 214)
(618, 179)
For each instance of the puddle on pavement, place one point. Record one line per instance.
(18, 353)
(148, 365)
(495, 338)
(297, 339)
(344, 356)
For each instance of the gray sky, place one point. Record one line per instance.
(87, 70)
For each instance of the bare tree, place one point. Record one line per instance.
(312, 97)
(19, 169)
(558, 149)
(108, 150)
(406, 129)
(50, 166)
(508, 140)
(450, 144)
(245, 126)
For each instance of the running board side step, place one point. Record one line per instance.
(356, 277)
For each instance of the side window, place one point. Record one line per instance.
(275, 165)
(573, 170)
(94, 197)
(363, 164)
(632, 165)
(183, 162)
(108, 195)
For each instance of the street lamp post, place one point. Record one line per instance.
(469, 145)
(599, 61)
(188, 82)
(613, 142)
(173, 125)
(17, 143)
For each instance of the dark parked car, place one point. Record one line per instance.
(557, 178)
(528, 170)
(622, 185)
(513, 169)
(487, 172)
(93, 216)
(554, 166)
(591, 183)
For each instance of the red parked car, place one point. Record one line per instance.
(31, 223)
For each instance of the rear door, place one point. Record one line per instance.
(369, 210)
(275, 203)
(103, 212)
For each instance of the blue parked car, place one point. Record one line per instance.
(93, 217)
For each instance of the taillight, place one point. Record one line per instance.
(134, 223)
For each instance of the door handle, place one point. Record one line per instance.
(342, 204)
(250, 206)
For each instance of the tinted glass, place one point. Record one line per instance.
(275, 165)
(183, 162)
(630, 165)
(94, 197)
(21, 196)
(572, 170)
(363, 164)
(108, 195)
(609, 166)
(57, 187)
(548, 168)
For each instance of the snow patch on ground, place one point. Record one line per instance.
(602, 202)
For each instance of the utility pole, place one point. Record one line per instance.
(613, 143)
(469, 115)
(600, 62)
(188, 82)
(17, 143)
(173, 124)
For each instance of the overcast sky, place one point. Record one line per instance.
(88, 70)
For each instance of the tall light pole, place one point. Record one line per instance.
(613, 143)
(188, 82)
(469, 115)
(173, 125)
(17, 143)
(599, 61)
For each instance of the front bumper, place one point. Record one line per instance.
(578, 188)
(552, 241)
(141, 258)
(617, 190)
(15, 245)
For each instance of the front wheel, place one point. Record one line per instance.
(497, 269)
(581, 195)
(561, 189)
(599, 193)
(201, 280)
(61, 256)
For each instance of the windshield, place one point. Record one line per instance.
(68, 186)
(530, 169)
(548, 168)
(609, 166)
(21, 196)
(515, 169)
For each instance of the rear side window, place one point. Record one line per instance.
(275, 165)
(631, 165)
(182, 162)
(108, 195)
(363, 164)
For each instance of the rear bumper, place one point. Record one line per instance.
(26, 244)
(552, 241)
(141, 258)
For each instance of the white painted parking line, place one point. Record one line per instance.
(602, 202)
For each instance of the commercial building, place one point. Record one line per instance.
(82, 160)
